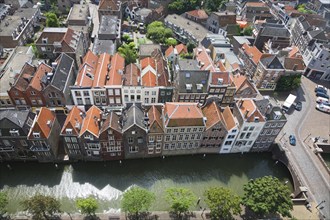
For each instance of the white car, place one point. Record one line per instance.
(323, 108)
(323, 101)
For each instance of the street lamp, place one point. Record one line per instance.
(320, 203)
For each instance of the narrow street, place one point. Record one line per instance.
(309, 168)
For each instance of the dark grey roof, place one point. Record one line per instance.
(15, 116)
(272, 62)
(63, 68)
(275, 30)
(318, 34)
(133, 116)
(104, 46)
(108, 24)
(188, 64)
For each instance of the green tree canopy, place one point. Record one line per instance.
(267, 195)
(137, 200)
(3, 203)
(88, 206)
(41, 207)
(129, 52)
(214, 5)
(52, 20)
(248, 31)
(171, 42)
(288, 83)
(222, 202)
(157, 32)
(180, 199)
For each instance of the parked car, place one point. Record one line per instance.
(325, 91)
(320, 86)
(292, 140)
(298, 106)
(323, 101)
(323, 95)
(323, 108)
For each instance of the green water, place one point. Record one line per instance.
(107, 181)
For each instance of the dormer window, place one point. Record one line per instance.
(44, 40)
(256, 119)
(188, 87)
(199, 87)
(36, 134)
(68, 131)
(14, 133)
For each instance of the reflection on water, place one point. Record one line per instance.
(107, 181)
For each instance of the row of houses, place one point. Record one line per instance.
(175, 128)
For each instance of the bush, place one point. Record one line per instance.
(288, 83)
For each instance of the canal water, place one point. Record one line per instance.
(107, 181)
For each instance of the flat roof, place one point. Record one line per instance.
(108, 24)
(78, 12)
(14, 65)
(104, 46)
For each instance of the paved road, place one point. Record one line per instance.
(309, 168)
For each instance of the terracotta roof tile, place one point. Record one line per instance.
(169, 51)
(132, 74)
(42, 71)
(111, 122)
(228, 118)
(249, 110)
(291, 63)
(198, 13)
(181, 48)
(100, 73)
(221, 66)
(252, 52)
(155, 116)
(149, 79)
(294, 52)
(108, 4)
(204, 59)
(87, 70)
(116, 70)
(178, 114)
(221, 75)
(256, 4)
(73, 121)
(43, 123)
(212, 113)
(148, 61)
(239, 80)
(90, 122)
(25, 77)
(162, 71)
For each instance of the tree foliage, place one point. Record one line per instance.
(214, 5)
(171, 42)
(267, 195)
(181, 6)
(190, 47)
(247, 31)
(129, 52)
(88, 206)
(180, 199)
(41, 207)
(157, 32)
(3, 203)
(127, 39)
(302, 8)
(288, 83)
(52, 20)
(137, 200)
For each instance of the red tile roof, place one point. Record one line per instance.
(42, 70)
(108, 4)
(213, 114)
(101, 70)
(179, 114)
(181, 48)
(73, 121)
(116, 70)
(249, 110)
(204, 59)
(221, 75)
(25, 77)
(198, 13)
(91, 122)
(252, 52)
(87, 70)
(155, 117)
(132, 74)
(256, 4)
(169, 51)
(43, 123)
(148, 61)
(149, 79)
(228, 118)
(294, 52)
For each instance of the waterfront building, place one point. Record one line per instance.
(155, 135)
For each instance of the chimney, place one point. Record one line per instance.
(81, 59)
(49, 123)
(247, 112)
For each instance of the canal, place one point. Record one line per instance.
(107, 181)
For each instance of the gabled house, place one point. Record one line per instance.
(134, 132)
(44, 136)
(111, 138)
(251, 122)
(255, 9)
(173, 53)
(184, 126)
(268, 72)
(250, 56)
(198, 16)
(244, 88)
(218, 20)
(14, 129)
(54, 41)
(155, 136)
(215, 130)
(89, 134)
(132, 85)
(57, 84)
(232, 127)
(70, 133)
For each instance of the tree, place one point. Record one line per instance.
(214, 5)
(128, 51)
(248, 31)
(52, 20)
(190, 47)
(267, 195)
(3, 203)
(181, 6)
(180, 200)
(136, 201)
(126, 38)
(288, 83)
(171, 42)
(157, 32)
(222, 203)
(87, 206)
(41, 207)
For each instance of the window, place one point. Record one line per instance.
(86, 93)
(231, 136)
(153, 93)
(130, 140)
(133, 149)
(251, 128)
(151, 139)
(182, 130)
(32, 92)
(140, 140)
(36, 134)
(166, 146)
(159, 138)
(14, 133)
(146, 93)
(150, 150)
(201, 129)
(153, 100)
(146, 100)
(68, 131)
(245, 128)
(167, 138)
(117, 91)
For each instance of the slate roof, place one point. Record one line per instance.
(15, 116)
(111, 121)
(133, 116)
(271, 62)
(63, 68)
(275, 30)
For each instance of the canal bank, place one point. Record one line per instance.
(107, 181)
